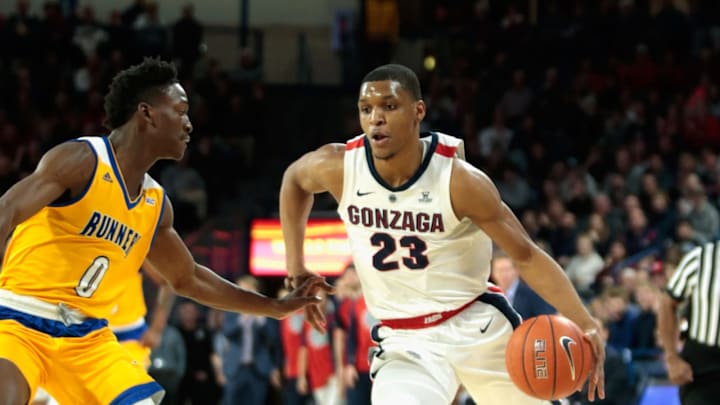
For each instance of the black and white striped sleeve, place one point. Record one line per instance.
(684, 280)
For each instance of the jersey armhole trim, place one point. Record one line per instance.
(449, 202)
(160, 218)
(87, 186)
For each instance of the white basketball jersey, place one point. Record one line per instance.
(413, 255)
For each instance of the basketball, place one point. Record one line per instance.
(548, 358)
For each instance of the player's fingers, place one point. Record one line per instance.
(591, 386)
(319, 315)
(327, 287)
(315, 318)
(288, 283)
(308, 300)
(320, 312)
(598, 374)
(601, 382)
(310, 317)
(688, 374)
(312, 285)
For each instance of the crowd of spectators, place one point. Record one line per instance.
(598, 121)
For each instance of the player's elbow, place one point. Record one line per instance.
(525, 255)
(183, 284)
(290, 176)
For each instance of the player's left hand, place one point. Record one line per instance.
(350, 376)
(276, 378)
(151, 339)
(596, 380)
(314, 313)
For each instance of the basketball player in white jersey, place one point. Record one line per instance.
(421, 224)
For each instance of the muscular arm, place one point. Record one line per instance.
(68, 166)
(679, 371)
(315, 172)
(175, 263)
(668, 325)
(474, 196)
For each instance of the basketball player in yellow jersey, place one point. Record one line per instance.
(82, 224)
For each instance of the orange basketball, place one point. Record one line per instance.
(548, 358)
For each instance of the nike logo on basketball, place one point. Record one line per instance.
(566, 342)
(359, 194)
(487, 325)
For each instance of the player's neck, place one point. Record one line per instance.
(398, 169)
(133, 158)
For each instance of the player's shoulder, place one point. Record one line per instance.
(470, 188)
(69, 157)
(78, 147)
(331, 150)
(465, 173)
(445, 139)
(449, 146)
(328, 155)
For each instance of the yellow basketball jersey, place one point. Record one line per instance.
(130, 307)
(84, 252)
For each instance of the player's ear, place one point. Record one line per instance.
(146, 112)
(419, 111)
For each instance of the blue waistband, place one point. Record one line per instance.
(131, 334)
(139, 392)
(51, 327)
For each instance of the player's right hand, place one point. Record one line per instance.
(679, 370)
(303, 294)
(349, 376)
(314, 314)
(596, 380)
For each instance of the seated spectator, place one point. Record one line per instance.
(644, 346)
(700, 214)
(514, 189)
(495, 137)
(599, 232)
(186, 188)
(584, 266)
(622, 316)
(525, 301)
(662, 215)
(639, 235)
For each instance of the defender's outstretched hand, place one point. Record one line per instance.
(310, 284)
(306, 295)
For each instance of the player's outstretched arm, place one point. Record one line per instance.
(475, 196)
(172, 259)
(66, 167)
(315, 172)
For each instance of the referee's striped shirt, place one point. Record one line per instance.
(697, 279)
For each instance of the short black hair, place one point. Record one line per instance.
(397, 73)
(142, 82)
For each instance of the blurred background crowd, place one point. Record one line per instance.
(598, 121)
